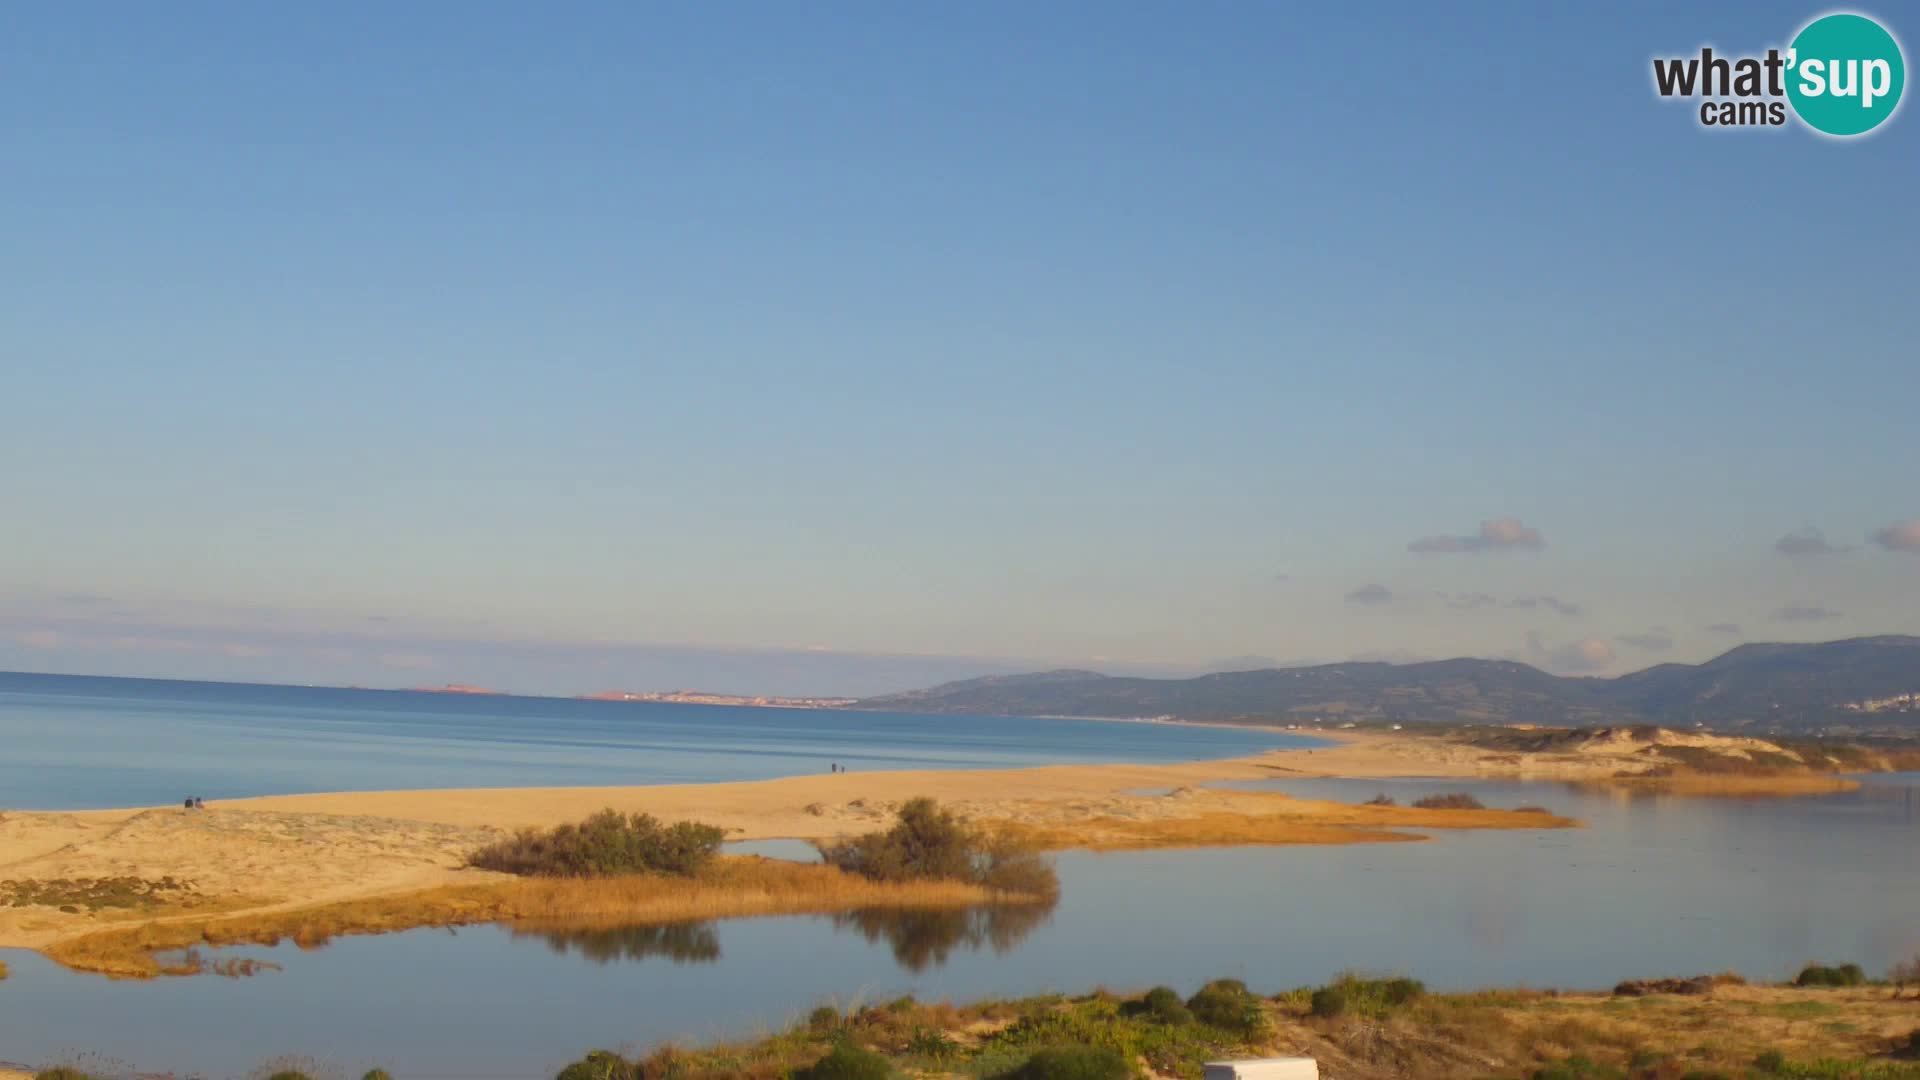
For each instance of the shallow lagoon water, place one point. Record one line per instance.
(1653, 886)
(75, 742)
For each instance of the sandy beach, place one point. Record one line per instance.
(279, 854)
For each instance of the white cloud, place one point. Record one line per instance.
(40, 639)
(1496, 534)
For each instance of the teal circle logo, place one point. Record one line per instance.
(1845, 74)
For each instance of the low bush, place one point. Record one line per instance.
(605, 844)
(600, 1065)
(824, 1018)
(1382, 799)
(61, 1072)
(1328, 1002)
(1821, 975)
(1902, 975)
(1367, 997)
(376, 1074)
(927, 842)
(1228, 1005)
(1577, 1068)
(847, 1062)
(1160, 1003)
(1073, 1063)
(1456, 800)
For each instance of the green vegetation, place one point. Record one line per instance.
(1456, 800)
(376, 1074)
(1351, 994)
(607, 844)
(94, 894)
(1821, 975)
(1161, 1003)
(61, 1072)
(1228, 1005)
(928, 843)
(848, 1062)
(1073, 1063)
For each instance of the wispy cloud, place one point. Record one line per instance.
(1373, 595)
(1725, 628)
(1551, 603)
(39, 639)
(1583, 657)
(1468, 601)
(1805, 613)
(1807, 543)
(1389, 656)
(1904, 536)
(1655, 640)
(1497, 534)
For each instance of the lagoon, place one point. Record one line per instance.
(1655, 885)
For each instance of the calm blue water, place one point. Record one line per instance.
(1654, 886)
(75, 742)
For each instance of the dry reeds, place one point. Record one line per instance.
(729, 887)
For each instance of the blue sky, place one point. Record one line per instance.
(849, 347)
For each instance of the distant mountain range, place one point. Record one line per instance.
(1859, 685)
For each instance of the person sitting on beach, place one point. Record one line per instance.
(188, 803)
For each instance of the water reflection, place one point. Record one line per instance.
(921, 939)
(682, 943)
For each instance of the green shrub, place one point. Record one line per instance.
(847, 1062)
(290, 1074)
(1382, 799)
(928, 843)
(1073, 1063)
(1160, 1003)
(600, 1065)
(377, 1074)
(1367, 997)
(823, 1018)
(61, 1072)
(1328, 1002)
(1457, 800)
(1577, 1068)
(607, 843)
(1227, 1005)
(1821, 975)
(1771, 1062)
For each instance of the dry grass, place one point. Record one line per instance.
(730, 887)
(1355, 825)
(1468, 1036)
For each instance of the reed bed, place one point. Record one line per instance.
(730, 887)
